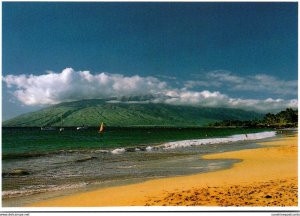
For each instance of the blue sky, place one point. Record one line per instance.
(231, 53)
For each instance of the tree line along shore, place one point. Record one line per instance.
(285, 119)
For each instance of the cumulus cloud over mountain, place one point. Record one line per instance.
(71, 85)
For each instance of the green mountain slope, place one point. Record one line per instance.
(92, 112)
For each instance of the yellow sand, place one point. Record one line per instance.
(273, 167)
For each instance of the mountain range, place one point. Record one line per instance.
(126, 112)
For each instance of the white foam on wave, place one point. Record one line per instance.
(118, 151)
(149, 148)
(233, 138)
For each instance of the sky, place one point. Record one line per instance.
(236, 55)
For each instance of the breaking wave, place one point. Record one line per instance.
(233, 138)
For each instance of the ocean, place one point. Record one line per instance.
(40, 164)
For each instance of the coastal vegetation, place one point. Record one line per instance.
(284, 119)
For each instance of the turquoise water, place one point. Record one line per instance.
(26, 142)
(71, 159)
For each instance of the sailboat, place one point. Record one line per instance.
(61, 124)
(101, 129)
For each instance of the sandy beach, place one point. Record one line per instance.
(265, 176)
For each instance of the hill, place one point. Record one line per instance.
(92, 112)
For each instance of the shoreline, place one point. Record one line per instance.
(257, 167)
(193, 166)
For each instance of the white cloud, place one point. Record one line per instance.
(70, 85)
(270, 105)
(216, 99)
(203, 98)
(257, 83)
(166, 77)
(194, 83)
(266, 83)
(225, 76)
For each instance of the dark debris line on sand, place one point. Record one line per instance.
(270, 193)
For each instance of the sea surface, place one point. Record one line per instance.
(36, 162)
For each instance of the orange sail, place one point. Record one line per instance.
(101, 130)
